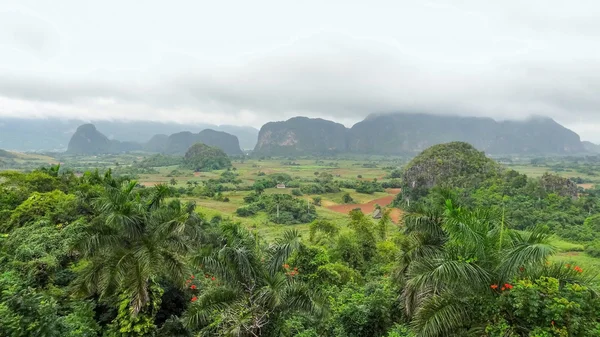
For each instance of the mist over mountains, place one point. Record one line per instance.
(387, 134)
(412, 133)
(53, 134)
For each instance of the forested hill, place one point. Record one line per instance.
(412, 133)
(53, 134)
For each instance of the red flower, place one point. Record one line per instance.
(192, 277)
(508, 286)
(213, 278)
(494, 286)
(521, 269)
(578, 269)
(193, 286)
(194, 299)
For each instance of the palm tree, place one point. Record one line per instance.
(133, 241)
(451, 256)
(255, 286)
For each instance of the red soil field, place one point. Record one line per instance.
(368, 207)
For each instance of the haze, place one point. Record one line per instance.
(250, 62)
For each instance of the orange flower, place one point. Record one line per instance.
(578, 269)
(502, 288)
(194, 299)
(193, 286)
(286, 266)
(494, 286)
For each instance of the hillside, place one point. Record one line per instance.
(301, 136)
(452, 165)
(201, 157)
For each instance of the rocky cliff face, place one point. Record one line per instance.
(301, 136)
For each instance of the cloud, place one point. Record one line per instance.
(28, 34)
(504, 62)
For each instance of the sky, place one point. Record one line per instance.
(250, 62)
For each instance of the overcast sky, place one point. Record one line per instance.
(249, 62)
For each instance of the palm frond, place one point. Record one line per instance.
(209, 304)
(283, 249)
(440, 316)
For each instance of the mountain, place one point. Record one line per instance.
(179, 143)
(301, 136)
(88, 140)
(246, 135)
(409, 133)
(157, 143)
(223, 140)
(398, 134)
(53, 134)
(591, 147)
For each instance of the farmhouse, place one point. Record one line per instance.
(280, 185)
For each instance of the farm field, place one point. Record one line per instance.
(331, 208)
(269, 205)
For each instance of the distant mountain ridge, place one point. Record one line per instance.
(412, 133)
(53, 134)
(87, 140)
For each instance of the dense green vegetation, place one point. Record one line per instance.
(226, 253)
(201, 157)
(280, 208)
(455, 164)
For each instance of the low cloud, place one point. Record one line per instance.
(341, 77)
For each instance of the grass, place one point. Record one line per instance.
(565, 246)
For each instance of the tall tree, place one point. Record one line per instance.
(134, 241)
